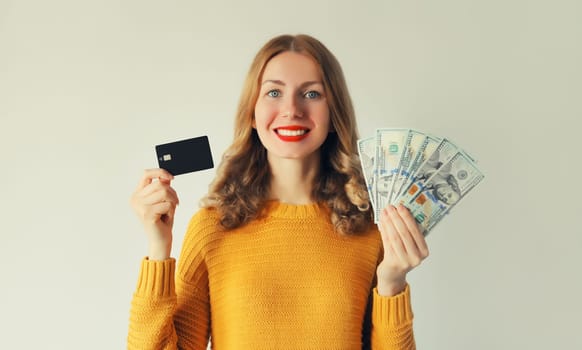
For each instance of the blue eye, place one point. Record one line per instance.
(312, 94)
(274, 93)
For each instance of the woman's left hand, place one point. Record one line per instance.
(404, 249)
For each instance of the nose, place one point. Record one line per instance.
(292, 107)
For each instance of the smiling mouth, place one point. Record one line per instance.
(287, 132)
(292, 133)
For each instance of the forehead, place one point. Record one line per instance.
(292, 66)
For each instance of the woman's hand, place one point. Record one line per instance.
(154, 202)
(404, 249)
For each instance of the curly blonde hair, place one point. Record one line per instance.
(241, 186)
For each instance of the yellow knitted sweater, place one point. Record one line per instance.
(284, 281)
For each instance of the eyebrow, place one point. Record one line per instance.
(280, 82)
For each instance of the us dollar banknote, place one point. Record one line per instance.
(443, 190)
(414, 142)
(367, 153)
(389, 150)
(426, 173)
(441, 155)
(428, 146)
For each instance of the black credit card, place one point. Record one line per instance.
(185, 156)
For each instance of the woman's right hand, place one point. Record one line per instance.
(154, 201)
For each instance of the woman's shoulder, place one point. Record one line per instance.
(205, 219)
(204, 225)
(206, 213)
(200, 236)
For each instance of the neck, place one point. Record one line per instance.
(292, 179)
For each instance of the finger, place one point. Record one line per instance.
(414, 229)
(383, 229)
(171, 194)
(150, 188)
(169, 216)
(158, 197)
(157, 189)
(150, 174)
(402, 230)
(160, 173)
(395, 242)
(155, 212)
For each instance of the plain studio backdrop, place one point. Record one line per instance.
(87, 88)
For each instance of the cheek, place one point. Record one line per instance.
(321, 115)
(263, 114)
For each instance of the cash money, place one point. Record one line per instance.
(441, 155)
(445, 188)
(414, 140)
(367, 153)
(428, 146)
(427, 174)
(389, 147)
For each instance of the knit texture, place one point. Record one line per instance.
(284, 281)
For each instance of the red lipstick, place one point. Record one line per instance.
(292, 133)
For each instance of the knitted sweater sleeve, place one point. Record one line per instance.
(170, 309)
(392, 322)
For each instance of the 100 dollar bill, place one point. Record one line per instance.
(427, 147)
(389, 150)
(443, 190)
(414, 142)
(441, 155)
(367, 153)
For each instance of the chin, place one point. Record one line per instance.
(294, 155)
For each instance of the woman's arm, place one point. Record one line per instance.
(152, 307)
(404, 248)
(168, 315)
(392, 322)
(170, 309)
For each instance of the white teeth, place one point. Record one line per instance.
(286, 132)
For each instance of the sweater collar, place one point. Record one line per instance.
(275, 208)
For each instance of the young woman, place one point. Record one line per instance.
(283, 254)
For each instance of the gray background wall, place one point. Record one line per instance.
(88, 88)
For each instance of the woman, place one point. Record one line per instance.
(284, 253)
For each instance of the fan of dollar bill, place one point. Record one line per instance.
(427, 174)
